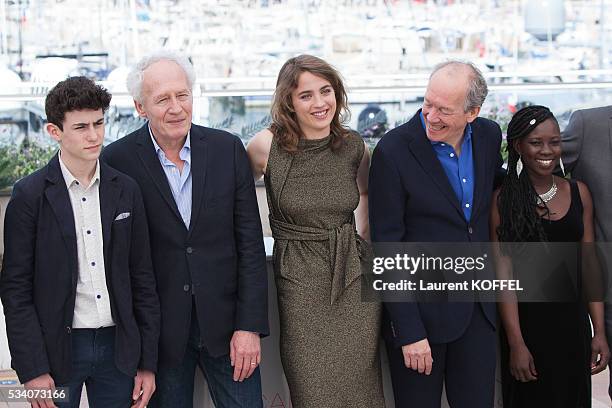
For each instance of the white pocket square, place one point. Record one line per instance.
(122, 216)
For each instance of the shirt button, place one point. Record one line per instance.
(467, 205)
(84, 199)
(452, 155)
(88, 231)
(98, 296)
(76, 182)
(93, 264)
(189, 250)
(186, 288)
(465, 180)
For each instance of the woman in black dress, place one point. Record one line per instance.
(548, 352)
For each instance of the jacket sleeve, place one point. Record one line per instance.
(252, 302)
(25, 338)
(572, 140)
(387, 205)
(144, 292)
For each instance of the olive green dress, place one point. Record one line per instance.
(328, 336)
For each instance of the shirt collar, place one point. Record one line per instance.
(70, 180)
(467, 133)
(184, 150)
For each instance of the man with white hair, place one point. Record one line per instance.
(206, 239)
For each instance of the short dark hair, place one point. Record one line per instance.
(73, 94)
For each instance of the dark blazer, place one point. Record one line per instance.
(220, 258)
(587, 148)
(40, 271)
(411, 200)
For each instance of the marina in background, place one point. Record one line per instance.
(553, 52)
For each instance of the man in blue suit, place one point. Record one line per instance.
(77, 283)
(206, 239)
(431, 180)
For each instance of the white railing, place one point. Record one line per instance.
(357, 84)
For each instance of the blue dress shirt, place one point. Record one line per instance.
(180, 182)
(458, 169)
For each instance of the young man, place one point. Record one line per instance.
(77, 283)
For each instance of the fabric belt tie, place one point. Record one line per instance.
(346, 249)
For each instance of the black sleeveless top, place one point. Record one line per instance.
(570, 227)
(556, 333)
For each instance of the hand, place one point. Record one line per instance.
(418, 356)
(245, 353)
(42, 382)
(599, 346)
(144, 387)
(522, 366)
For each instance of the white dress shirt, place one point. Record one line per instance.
(92, 306)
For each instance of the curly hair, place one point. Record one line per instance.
(285, 126)
(73, 94)
(518, 200)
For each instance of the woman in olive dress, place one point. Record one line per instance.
(316, 174)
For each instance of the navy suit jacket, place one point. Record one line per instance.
(411, 200)
(220, 259)
(40, 271)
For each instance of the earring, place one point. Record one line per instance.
(519, 167)
(561, 165)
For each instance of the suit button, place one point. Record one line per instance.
(68, 329)
(470, 230)
(186, 288)
(189, 250)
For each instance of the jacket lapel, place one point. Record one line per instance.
(109, 192)
(146, 153)
(199, 162)
(59, 200)
(424, 153)
(480, 159)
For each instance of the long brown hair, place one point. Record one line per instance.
(285, 126)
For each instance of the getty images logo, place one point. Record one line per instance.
(414, 264)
